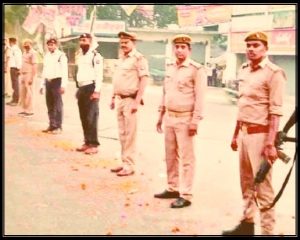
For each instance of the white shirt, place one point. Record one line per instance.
(15, 60)
(55, 65)
(90, 68)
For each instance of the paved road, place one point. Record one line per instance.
(50, 189)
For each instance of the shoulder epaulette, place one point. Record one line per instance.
(273, 66)
(244, 65)
(194, 63)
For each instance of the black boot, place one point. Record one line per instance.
(244, 228)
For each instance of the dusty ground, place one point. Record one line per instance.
(50, 189)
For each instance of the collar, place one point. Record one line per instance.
(262, 63)
(131, 53)
(185, 63)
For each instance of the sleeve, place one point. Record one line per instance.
(98, 67)
(64, 70)
(18, 58)
(199, 90)
(276, 93)
(43, 79)
(142, 67)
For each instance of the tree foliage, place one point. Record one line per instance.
(14, 16)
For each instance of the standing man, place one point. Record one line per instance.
(89, 80)
(261, 90)
(55, 79)
(182, 102)
(28, 74)
(15, 63)
(129, 82)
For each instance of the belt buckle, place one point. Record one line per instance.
(244, 129)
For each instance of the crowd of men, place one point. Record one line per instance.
(180, 111)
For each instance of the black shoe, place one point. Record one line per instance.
(180, 203)
(167, 194)
(244, 229)
(49, 129)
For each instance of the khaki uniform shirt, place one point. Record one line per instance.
(129, 70)
(260, 92)
(184, 88)
(28, 60)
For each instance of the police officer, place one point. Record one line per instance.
(27, 77)
(129, 82)
(261, 90)
(89, 80)
(182, 109)
(54, 79)
(15, 63)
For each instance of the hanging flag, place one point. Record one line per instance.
(146, 10)
(74, 14)
(33, 19)
(129, 9)
(187, 14)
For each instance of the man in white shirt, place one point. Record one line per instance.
(89, 80)
(55, 79)
(15, 63)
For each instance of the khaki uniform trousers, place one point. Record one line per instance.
(180, 157)
(250, 149)
(26, 92)
(127, 122)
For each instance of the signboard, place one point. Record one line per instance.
(280, 41)
(100, 27)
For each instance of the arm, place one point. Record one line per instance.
(143, 75)
(276, 92)
(98, 67)
(234, 145)
(64, 71)
(199, 91)
(161, 110)
(18, 58)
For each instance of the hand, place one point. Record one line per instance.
(192, 129)
(158, 126)
(134, 107)
(41, 90)
(270, 153)
(112, 104)
(234, 145)
(61, 90)
(95, 95)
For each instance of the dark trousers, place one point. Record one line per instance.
(54, 102)
(15, 84)
(89, 114)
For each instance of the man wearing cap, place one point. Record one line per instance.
(129, 82)
(181, 109)
(15, 63)
(27, 78)
(54, 79)
(261, 90)
(89, 80)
